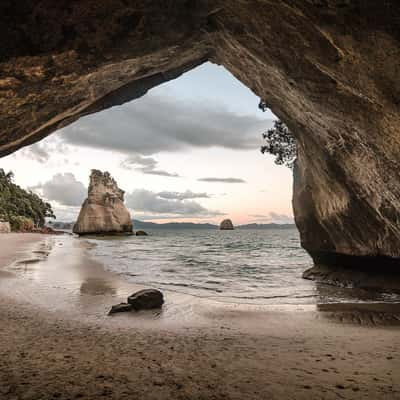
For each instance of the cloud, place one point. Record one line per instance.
(38, 152)
(281, 218)
(147, 201)
(146, 165)
(64, 189)
(42, 151)
(66, 213)
(168, 217)
(222, 180)
(188, 194)
(274, 217)
(156, 123)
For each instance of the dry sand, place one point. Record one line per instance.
(56, 340)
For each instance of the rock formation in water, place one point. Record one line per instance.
(226, 225)
(103, 211)
(327, 68)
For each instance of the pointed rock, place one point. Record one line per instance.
(103, 211)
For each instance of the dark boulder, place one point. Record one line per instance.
(122, 307)
(141, 233)
(226, 225)
(146, 299)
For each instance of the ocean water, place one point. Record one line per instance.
(243, 266)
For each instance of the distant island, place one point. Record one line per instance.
(191, 225)
(183, 225)
(266, 226)
(137, 224)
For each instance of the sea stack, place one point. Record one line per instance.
(226, 225)
(103, 212)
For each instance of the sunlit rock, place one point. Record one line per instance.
(103, 212)
(226, 225)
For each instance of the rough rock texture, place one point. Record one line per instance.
(146, 299)
(103, 211)
(226, 225)
(360, 278)
(121, 307)
(328, 68)
(5, 227)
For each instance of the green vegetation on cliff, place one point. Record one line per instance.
(24, 210)
(280, 142)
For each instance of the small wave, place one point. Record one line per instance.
(265, 267)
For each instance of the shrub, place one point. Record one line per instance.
(281, 143)
(16, 202)
(21, 223)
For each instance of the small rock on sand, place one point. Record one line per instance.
(146, 299)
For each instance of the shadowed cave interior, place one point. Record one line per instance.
(321, 69)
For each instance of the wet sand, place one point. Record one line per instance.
(58, 342)
(13, 245)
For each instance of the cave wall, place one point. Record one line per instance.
(328, 68)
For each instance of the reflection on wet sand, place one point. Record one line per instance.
(368, 307)
(366, 314)
(63, 278)
(97, 286)
(377, 280)
(66, 279)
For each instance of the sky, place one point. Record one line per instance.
(189, 150)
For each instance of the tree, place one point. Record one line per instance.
(19, 206)
(262, 105)
(281, 143)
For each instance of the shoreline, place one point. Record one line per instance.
(81, 288)
(72, 282)
(13, 244)
(58, 342)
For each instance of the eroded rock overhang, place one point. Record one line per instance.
(328, 68)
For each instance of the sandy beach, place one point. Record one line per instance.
(58, 342)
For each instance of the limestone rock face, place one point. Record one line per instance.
(226, 225)
(103, 211)
(328, 68)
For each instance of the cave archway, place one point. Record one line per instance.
(328, 68)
